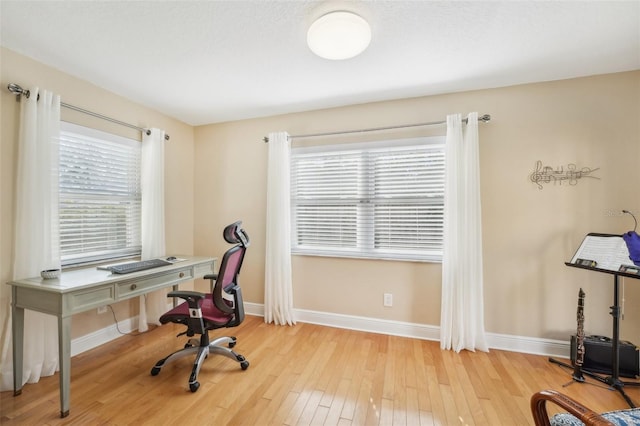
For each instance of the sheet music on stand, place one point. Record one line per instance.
(603, 251)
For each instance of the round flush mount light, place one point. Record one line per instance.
(339, 35)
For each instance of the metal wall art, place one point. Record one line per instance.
(569, 174)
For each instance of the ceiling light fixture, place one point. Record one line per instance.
(339, 35)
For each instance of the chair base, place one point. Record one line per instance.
(202, 351)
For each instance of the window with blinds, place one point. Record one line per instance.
(100, 195)
(373, 200)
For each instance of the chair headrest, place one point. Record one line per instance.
(234, 234)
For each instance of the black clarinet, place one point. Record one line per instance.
(577, 366)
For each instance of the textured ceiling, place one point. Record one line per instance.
(212, 61)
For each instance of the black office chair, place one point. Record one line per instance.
(203, 312)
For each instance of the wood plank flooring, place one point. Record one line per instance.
(301, 375)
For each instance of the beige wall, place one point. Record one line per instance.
(15, 68)
(528, 233)
(217, 174)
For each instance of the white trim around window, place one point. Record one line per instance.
(100, 196)
(382, 200)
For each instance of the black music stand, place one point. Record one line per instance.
(608, 267)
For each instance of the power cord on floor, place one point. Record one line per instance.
(113, 313)
(133, 333)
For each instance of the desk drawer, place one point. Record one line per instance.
(82, 301)
(134, 287)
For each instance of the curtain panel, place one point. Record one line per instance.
(278, 292)
(154, 304)
(462, 308)
(36, 238)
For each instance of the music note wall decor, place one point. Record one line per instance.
(570, 174)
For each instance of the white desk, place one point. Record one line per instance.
(81, 290)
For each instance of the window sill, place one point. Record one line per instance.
(365, 257)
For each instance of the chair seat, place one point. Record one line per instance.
(211, 315)
(628, 417)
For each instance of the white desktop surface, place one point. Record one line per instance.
(77, 279)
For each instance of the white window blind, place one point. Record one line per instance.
(378, 200)
(99, 195)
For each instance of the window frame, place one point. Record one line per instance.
(365, 248)
(130, 201)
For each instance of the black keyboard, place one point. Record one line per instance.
(127, 268)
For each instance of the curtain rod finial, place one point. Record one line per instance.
(18, 90)
(265, 139)
(485, 118)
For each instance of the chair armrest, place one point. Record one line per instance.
(238, 305)
(192, 297)
(541, 416)
(213, 278)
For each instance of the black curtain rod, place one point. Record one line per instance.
(18, 91)
(484, 118)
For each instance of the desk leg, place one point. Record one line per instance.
(17, 316)
(176, 300)
(64, 348)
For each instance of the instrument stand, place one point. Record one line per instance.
(614, 379)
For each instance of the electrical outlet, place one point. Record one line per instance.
(388, 299)
(102, 310)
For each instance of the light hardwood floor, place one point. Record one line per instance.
(306, 375)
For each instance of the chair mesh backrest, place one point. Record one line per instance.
(228, 273)
(232, 261)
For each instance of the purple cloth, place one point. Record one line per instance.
(633, 244)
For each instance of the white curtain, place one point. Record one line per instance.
(36, 238)
(462, 310)
(278, 292)
(154, 304)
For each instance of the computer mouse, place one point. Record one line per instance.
(170, 258)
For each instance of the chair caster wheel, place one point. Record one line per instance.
(155, 371)
(232, 344)
(244, 365)
(194, 386)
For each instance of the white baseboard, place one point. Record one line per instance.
(530, 345)
(102, 336)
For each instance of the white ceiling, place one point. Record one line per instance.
(213, 61)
